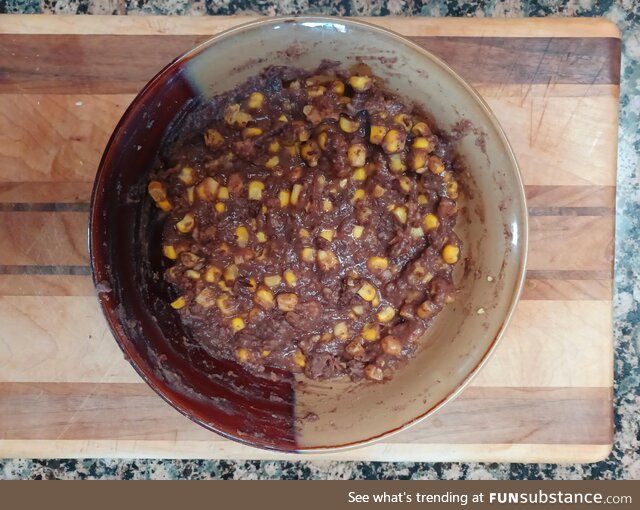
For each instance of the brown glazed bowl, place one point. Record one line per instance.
(220, 394)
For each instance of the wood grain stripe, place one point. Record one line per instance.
(36, 411)
(40, 63)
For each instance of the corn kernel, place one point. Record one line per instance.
(435, 165)
(157, 191)
(213, 138)
(396, 164)
(261, 237)
(377, 264)
(274, 147)
(308, 254)
(316, 91)
(327, 205)
(272, 162)
(360, 174)
(452, 189)
(327, 234)
(393, 141)
(322, 140)
(242, 355)
(303, 232)
(265, 353)
(290, 278)
(357, 231)
(425, 310)
(338, 87)
(255, 100)
(354, 349)
(255, 190)
(212, 274)
(179, 303)
(371, 332)
(360, 83)
(170, 252)
(192, 274)
(287, 302)
(341, 330)
(386, 314)
(186, 224)
(358, 310)
(219, 207)
(165, 205)
(417, 232)
(376, 136)
(373, 372)
(187, 175)
(326, 260)
(378, 191)
(283, 118)
(357, 155)
(284, 197)
(295, 193)
(207, 189)
(347, 125)
(422, 199)
(310, 152)
(272, 280)
(450, 253)
(406, 184)
(242, 236)
(391, 345)
(421, 129)
(237, 324)
(359, 194)
(251, 132)
(400, 213)
(299, 359)
(231, 273)
(430, 221)
(264, 298)
(206, 298)
(367, 292)
(421, 142)
(418, 161)
(404, 120)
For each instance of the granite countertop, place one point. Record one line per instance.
(624, 461)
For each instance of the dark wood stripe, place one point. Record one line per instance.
(45, 270)
(536, 274)
(44, 207)
(571, 211)
(93, 64)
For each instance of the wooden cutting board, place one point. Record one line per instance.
(65, 389)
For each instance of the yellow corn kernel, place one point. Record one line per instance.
(237, 324)
(386, 314)
(391, 345)
(255, 100)
(378, 191)
(179, 303)
(322, 140)
(212, 274)
(295, 193)
(264, 298)
(272, 162)
(327, 205)
(417, 232)
(187, 175)
(191, 195)
(170, 252)
(404, 120)
(303, 232)
(242, 236)
(231, 273)
(219, 207)
(213, 138)
(422, 199)
(450, 253)
(261, 237)
(157, 191)
(377, 264)
(327, 234)
(283, 118)
(347, 125)
(310, 152)
(165, 205)
(418, 161)
(357, 155)
(251, 132)
(393, 141)
(242, 355)
(290, 278)
(206, 298)
(430, 221)
(405, 183)
(435, 165)
(338, 87)
(360, 174)
(367, 292)
(421, 129)
(400, 213)
(299, 359)
(326, 260)
(272, 280)
(343, 183)
(357, 231)
(287, 302)
(358, 310)
(370, 332)
(207, 189)
(192, 274)
(308, 254)
(360, 83)
(421, 142)
(396, 164)
(425, 310)
(359, 194)
(341, 330)
(452, 189)
(274, 147)
(376, 136)
(186, 224)
(255, 190)
(265, 353)
(316, 91)
(284, 197)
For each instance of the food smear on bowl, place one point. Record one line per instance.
(309, 223)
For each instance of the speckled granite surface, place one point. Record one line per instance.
(624, 461)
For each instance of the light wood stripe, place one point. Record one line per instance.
(220, 449)
(71, 343)
(422, 26)
(560, 290)
(31, 411)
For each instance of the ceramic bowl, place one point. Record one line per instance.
(220, 394)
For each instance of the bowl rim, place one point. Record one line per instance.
(523, 235)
